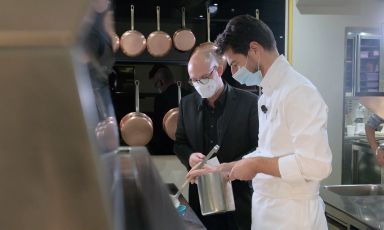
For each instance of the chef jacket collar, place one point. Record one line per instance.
(273, 77)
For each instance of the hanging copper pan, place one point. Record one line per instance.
(183, 39)
(208, 45)
(171, 117)
(132, 42)
(159, 43)
(136, 127)
(257, 14)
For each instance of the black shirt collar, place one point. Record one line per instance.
(219, 102)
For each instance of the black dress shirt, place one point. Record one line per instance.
(210, 117)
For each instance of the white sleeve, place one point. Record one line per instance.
(306, 117)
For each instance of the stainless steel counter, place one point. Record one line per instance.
(360, 212)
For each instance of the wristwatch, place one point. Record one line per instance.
(381, 146)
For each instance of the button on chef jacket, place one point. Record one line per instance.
(294, 128)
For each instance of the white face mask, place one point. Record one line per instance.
(206, 90)
(244, 76)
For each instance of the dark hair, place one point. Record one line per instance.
(240, 31)
(166, 72)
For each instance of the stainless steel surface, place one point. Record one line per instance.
(147, 202)
(365, 169)
(357, 212)
(215, 194)
(357, 190)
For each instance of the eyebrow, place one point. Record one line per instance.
(233, 62)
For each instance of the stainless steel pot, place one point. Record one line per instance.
(215, 194)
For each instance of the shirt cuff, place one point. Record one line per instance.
(289, 169)
(249, 155)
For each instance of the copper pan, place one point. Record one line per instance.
(132, 42)
(107, 134)
(136, 127)
(159, 43)
(183, 39)
(171, 117)
(208, 45)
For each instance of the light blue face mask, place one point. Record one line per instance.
(244, 76)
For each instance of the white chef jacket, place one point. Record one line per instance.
(294, 127)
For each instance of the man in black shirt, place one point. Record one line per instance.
(209, 117)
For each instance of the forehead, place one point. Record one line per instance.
(234, 57)
(197, 67)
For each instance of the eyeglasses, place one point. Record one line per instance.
(204, 79)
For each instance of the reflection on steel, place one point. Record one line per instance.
(147, 202)
(50, 168)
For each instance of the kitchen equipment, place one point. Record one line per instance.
(381, 146)
(197, 166)
(362, 61)
(132, 42)
(208, 45)
(215, 194)
(107, 134)
(159, 43)
(183, 39)
(171, 117)
(136, 127)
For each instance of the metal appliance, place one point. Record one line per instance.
(363, 61)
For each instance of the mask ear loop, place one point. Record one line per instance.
(258, 69)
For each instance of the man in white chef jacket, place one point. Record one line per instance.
(293, 154)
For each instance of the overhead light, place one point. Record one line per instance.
(213, 9)
(281, 36)
(215, 4)
(201, 16)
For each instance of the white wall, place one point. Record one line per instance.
(318, 53)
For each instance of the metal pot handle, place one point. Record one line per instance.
(183, 17)
(132, 17)
(137, 96)
(179, 92)
(208, 25)
(158, 17)
(257, 14)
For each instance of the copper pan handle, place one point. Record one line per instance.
(257, 14)
(183, 17)
(137, 96)
(178, 91)
(158, 17)
(208, 25)
(132, 17)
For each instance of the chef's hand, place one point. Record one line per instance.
(194, 173)
(224, 168)
(195, 158)
(380, 156)
(244, 169)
